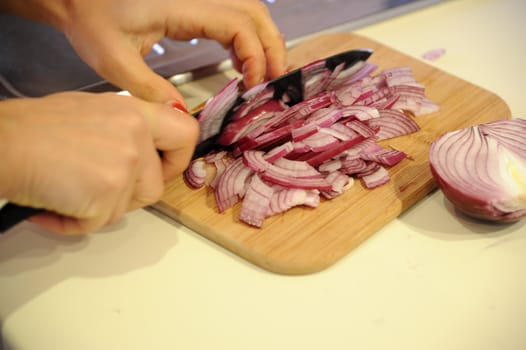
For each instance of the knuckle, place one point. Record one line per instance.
(114, 181)
(130, 159)
(134, 123)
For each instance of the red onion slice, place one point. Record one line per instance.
(256, 203)
(376, 178)
(242, 126)
(434, 54)
(215, 110)
(195, 173)
(286, 198)
(482, 169)
(392, 123)
(231, 185)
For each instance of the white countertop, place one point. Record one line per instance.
(428, 280)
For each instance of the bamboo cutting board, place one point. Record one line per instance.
(304, 240)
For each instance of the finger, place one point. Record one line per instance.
(232, 28)
(121, 64)
(148, 186)
(271, 38)
(174, 133)
(276, 54)
(65, 225)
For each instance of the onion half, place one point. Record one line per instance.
(482, 169)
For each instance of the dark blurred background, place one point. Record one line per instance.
(36, 60)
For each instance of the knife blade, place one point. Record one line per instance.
(290, 84)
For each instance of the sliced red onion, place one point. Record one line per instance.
(303, 131)
(211, 117)
(434, 54)
(231, 185)
(361, 128)
(322, 118)
(482, 169)
(340, 131)
(261, 97)
(279, 152)
(256, 161)
(389, 101)
(220, 164)
(256, 202)
(325, 117)
(273, 137)
(310, 183)
(341, 147)
(362, 113)
(286, 198)
(195, 173)
(356, 150)
(426, 107)
(376, 178)
(339, 181)
(282, 156)
(398, 75)
(256, 90)
(215, 156)
(303, 109)
(353, 166)
(257, 116)
(320, 142)
(331, 165)
(384, 156)
(315, 78)
(392, 123)
(352, 74)
(370, 168)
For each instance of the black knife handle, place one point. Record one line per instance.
(12, 214)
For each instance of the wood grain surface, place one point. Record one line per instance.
(304, 240)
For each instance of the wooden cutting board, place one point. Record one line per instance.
(303, 240)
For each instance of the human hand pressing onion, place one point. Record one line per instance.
(89, 158)
(114, 36)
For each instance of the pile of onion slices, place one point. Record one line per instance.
(276, 155)
(482, 169)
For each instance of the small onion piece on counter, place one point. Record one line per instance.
(482, 169)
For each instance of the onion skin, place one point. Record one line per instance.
(482, 169)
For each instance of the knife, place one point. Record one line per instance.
(290, 84)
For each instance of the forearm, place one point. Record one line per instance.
(53, 12)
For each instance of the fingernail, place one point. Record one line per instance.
(177, 105)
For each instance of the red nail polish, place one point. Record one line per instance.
(179, 106)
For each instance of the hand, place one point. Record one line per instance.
(113, 36)
(87, 159)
